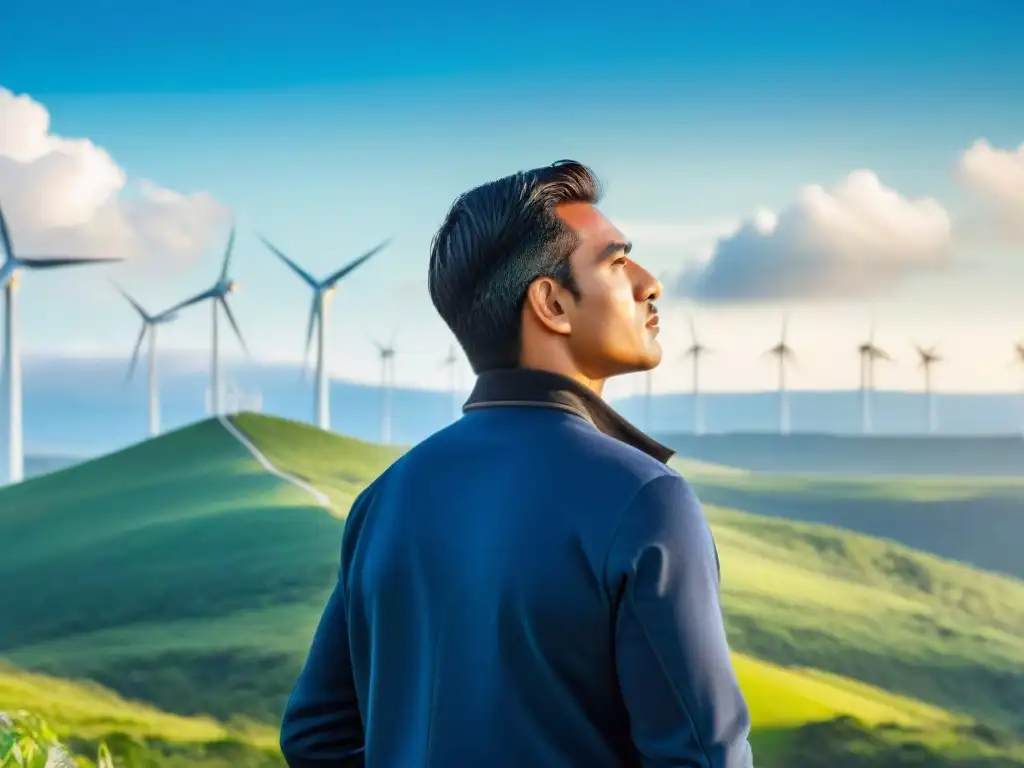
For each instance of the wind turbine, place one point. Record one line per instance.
(322, 292)
(150, 323)
(450, 361)
(218, 298)
(10, 384)
(387, 380)
(695, 351)
(785, 354)
(928, 357)
(869, 352)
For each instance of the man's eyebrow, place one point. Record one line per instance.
(614, 247)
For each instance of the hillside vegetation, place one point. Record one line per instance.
(857, 455)
(83, 714)
(978, 521)
(180, 573)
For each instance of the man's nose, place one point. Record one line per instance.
(648, 287)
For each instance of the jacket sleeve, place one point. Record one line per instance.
(680, 689)
(322, 725)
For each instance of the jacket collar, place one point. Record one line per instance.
(528, 387)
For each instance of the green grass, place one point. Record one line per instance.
(181, 574)
(978, 521)
(979, 456)
(82, 714)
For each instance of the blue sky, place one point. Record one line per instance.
(329, 130)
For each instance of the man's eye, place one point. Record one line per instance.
(620, 262)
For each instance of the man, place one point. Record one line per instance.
(531, 586)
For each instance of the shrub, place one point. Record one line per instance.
(26, 741)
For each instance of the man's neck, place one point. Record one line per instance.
(594, 385)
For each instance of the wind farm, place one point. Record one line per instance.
(870, 353)
(323, 290)
(784, 355)
(386, 353)
(217, 296)
(825, 218)
(694, 353)
(12, 469)
(928, 357)
(150, 324)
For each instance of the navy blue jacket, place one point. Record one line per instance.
(530, 587)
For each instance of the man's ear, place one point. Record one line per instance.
(548, 302)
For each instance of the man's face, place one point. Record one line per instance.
(614, 324)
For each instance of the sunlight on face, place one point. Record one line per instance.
(614, 323)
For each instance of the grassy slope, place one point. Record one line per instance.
(855, 455)
(229, 569)
(821, 597)
(978, 521)
(83, 713)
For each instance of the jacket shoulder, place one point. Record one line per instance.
(618, 461)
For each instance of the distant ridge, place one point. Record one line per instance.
(855, 455)
(97, 414)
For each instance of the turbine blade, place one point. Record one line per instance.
(234, 325)
(189, 302)
(135, 353)
(133, 302)
(50, 262)
(693, 329)
(344, 271)
(5, 239)
(314, 312)
(227, 255)
(164, 317)
(6, 269)
(308, 278)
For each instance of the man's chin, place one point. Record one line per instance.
(652, 356)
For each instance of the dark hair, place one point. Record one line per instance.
(494, 242)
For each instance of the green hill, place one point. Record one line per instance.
(802, 453)
(180, 573)
(978, 521)
(83, 713)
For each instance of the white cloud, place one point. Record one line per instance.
(692, 236)
(665, 246)
(996, 176)
(67, 197)
(851, 241)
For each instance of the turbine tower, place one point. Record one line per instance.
(695, 351)
(928, 357)
(150, 323)
(387, 380)
(322, 292)
(869, 353)
(12, 465)
(450, 362)
(218, 298)
(784, 353)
